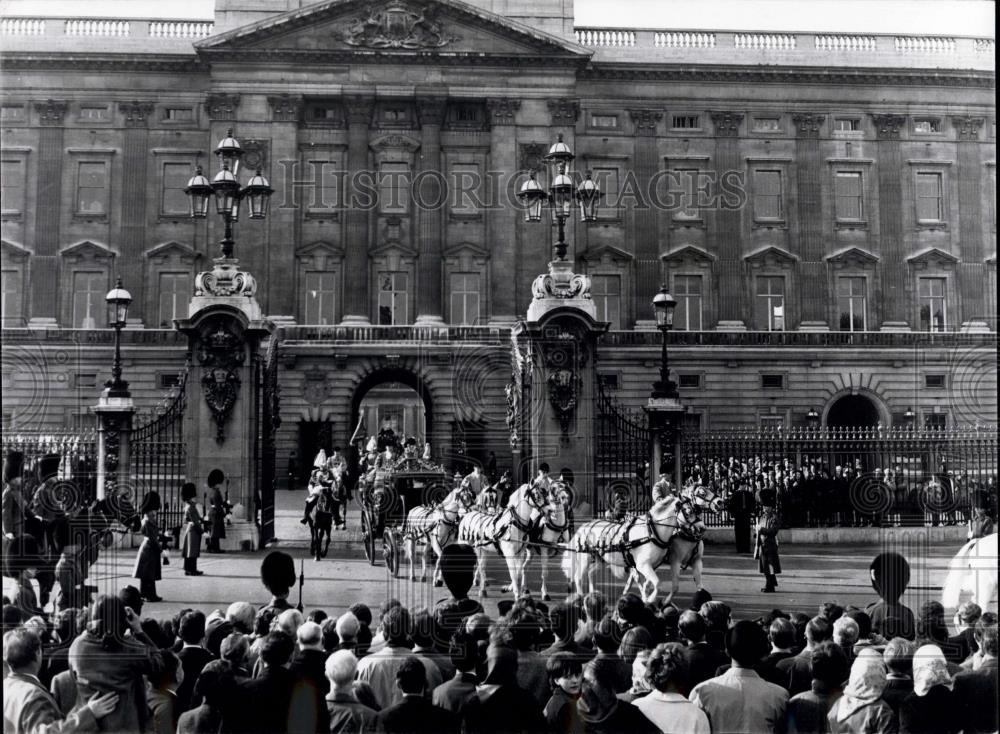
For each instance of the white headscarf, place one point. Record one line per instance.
(930, 669)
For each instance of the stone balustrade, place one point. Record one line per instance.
(22, 26)
(842, 42)
(107, 28)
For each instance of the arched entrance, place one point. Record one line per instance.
(394, 398)
(852, 411)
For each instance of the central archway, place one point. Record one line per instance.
(853, 411)
(396, 395)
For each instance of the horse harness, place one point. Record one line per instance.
(608, 536)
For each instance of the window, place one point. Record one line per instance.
(395, 114)
(605, 121)
(769, 311)
(392, 299)
(607, 179)
(772, 382)
(394, 193)
(767, 195)
(175, 178)
(11, 298)
(324, 112)
(85, 379)
(688, 292)
(89, 289)
(685, 122)
(11, 112)
(174, 295)
(320, 295)
(934, 381)
(92, 188)
(94, 113)
(771, 422)
(692, 422)
(848, 196)
(766, 124)
(168, 380)
(929, 198)
(927, 125)
(178, 114)
(465, 185)
(852, 303)
(468, 114)
(12, 186)
(933, 306)
(465, 291)
(691, 381)
(321, 179)
(608, 380)
(935, 421)
(847, 124)
(606, 290)
(687, 183)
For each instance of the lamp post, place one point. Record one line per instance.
(664, 305)
(118, 300)
(664, 407)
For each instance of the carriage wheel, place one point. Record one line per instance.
(390, 551)
(368, 537)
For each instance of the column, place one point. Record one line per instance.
(812, 271)
(134, 181)
(501, 219)
(890, 207)
(358, 109)
(645, 236)
(283, 222)
(430, 232)
(728, 246)
(45, 261)
(972, 268)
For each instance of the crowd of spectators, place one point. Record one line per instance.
(584, 664)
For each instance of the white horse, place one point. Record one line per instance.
(639, 545)
(506, 532)
(973, 570)
(552, 530)
(437, 527)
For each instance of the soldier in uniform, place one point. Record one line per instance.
(191, 531)
(216, 510)
(741, 508)
(147, 562)
(13, 499)
(46, 506)
(766, 550)
(277, 573)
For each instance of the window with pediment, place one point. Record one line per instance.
(606, 291)
(466, 273)
(13, 185)
(320, 181)
(936, 304)
(320, 269)
(689, 280)
(393, 281)
(171, 266)
(773, 284)
(853, 283)
(14, 271)
(610, 283)
(86, 274)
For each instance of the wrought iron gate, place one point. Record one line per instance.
(623, 443)
(159, 456)
(268, 420)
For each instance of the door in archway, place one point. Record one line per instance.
(395, 406)
(313, 436)
(852, 411)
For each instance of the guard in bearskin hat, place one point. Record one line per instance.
(191, 531)
(890, 575)
(277, 573)
(147, 561)
(766, 550)
(21, 562)
(45, 504)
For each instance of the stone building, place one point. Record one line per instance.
(822, 207)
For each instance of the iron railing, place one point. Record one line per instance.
(77, 452)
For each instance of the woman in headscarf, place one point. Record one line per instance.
(931, 706)
(499, 704)
(861, 709)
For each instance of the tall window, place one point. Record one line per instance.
(852, 300)
(320, 295)
(394, 188)
(606, 290)
(848, 193)
(392, 299)
(767, 195)
(687, 183)
(464, 186)
(769, 304)
(12, 186)
(321, 186)
(929, 199)
(175, 178)
(10, 315)
(175, 292)
(933, 304)
(688, 292)
(607, 179)
(92, 188)
(89, 289)
(465, 298)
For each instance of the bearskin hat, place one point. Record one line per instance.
(189, 491)
(215, 477)
(48, 466)
(22, 553)
(458, 565)
(890, 575)
(150, 502)
(13, 465)
(277, 573)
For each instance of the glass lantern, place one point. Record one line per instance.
(258, 191)
(198, 190)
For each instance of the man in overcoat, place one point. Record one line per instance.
(766, 551)
(147, 562)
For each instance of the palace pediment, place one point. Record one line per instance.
(435, 29)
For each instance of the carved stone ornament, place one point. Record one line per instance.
(808, 124)
(727, 124)
(513, 418)
(285, 107)
(397, 25)
(220, 355)
(562, 395)
(967, 127)
(887, 126)
(225, 279)
(255, 154)
(564, 111)
(136, 113)
(317, 388)
(561, 284)
(112, 453)
(222, 106)
(645, 120)
(503, 109)
(51, 111)
(531, 156)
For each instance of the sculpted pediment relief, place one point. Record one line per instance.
(932, 257)
(405, 27)
(855, 257)
(688, 254)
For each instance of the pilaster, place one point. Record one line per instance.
(727, 231)
(970, 203)
(134, 182)
(283, 222)
(48, 219)
(502, 220)
(430, 198)
(358, 110)
(647, 246)
(890, 202)
(809, 171)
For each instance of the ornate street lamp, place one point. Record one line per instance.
(118, 300)
(663, 309)
(199, 191)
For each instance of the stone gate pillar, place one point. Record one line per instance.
(114, 430)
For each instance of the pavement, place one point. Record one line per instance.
(812, 574)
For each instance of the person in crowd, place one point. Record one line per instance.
(216, 511)
(192, 654)
(635, 641)
(328, 631)
(717, 615)
(104, 660)
(861, 709)
(347, 715)
(781, 635)
(215, 688)
(262, 704)
(563, 623)
(640, 678)
(413, 712)
(347, 627)
(807, 711)
(147, 560)
(277, 574)
(933, 630)
(831, 611)
(425, 635)
(565, 674)
(234, 650)
(594, 608)
(931, 705)
(898, 659)
(666, 705)
(606, 640)
(30, 709)
(766, 549)
(13, 502)
(379, 668)
(217, 628)
(740, 700)
(21, 562)
(975, 687)
(703, 659)
(453, 694)
(798, 669)
(307, 708)
(164, 707)
(845, 634)
(500, 705)
(965, 623)
(532, 675)
(191, 530)
(241, 614)
(865, 636)
(604, 713)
